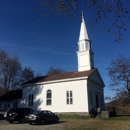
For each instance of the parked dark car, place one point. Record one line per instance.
(18, 114)
(42, 117)
(2, 114)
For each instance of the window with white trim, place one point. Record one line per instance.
(48, 97)
(30, 100)
(69, 97)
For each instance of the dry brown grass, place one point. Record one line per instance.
(74, 123)
(95, 124)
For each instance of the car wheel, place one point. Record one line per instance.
(22, 120)
(42, 122)
(10, 121)
(57, 119)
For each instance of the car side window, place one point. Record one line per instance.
(50, 113)
(44, 112)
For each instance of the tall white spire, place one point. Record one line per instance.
(85, 55)
(83, 31)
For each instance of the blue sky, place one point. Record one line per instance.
(49, 42)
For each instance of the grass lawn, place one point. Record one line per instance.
(86, 123)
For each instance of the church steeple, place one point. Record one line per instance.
(85, 55)
(83, 31)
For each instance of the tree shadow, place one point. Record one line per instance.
(37, 100)
(51, 123)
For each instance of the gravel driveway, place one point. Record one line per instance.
(4, 125)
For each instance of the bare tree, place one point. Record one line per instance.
(10, 70)
(38, 74)
(27, 74)
(12, 75)
(53, 71)
(119, 73)
(116, 8)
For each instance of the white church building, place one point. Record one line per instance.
(72, 92)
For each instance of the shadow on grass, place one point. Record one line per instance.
(118, 117)
(51, 123)
(66, 117)
(46, 123)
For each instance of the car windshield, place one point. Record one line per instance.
(36, 112)
(39, 113)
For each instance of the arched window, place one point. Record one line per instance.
(48, 97)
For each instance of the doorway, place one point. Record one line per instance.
(96, 98)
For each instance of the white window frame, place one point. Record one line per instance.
(69, 97)
(48, 97)
(30, 100)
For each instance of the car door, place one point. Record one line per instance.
(45, 116)
(51, 116)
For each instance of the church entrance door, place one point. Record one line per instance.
(96, 98)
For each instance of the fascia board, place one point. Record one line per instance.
(56, 81)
